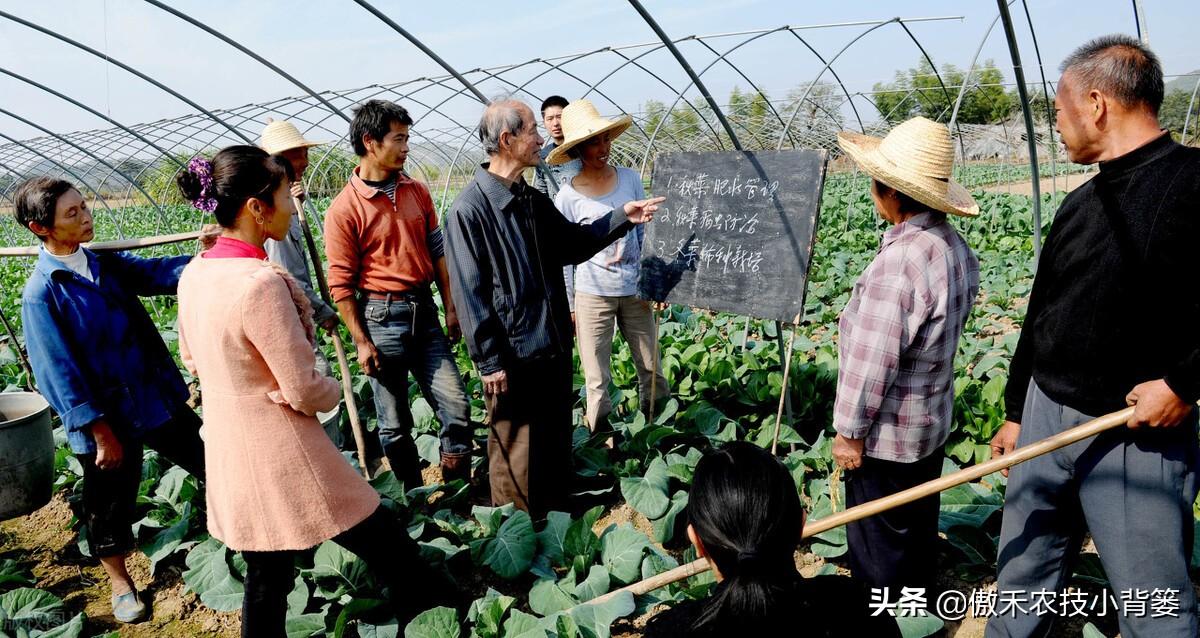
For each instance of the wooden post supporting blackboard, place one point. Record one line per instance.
(784, 397)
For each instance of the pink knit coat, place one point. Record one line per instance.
(274, 479)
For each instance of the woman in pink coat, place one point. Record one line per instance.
(276, 484)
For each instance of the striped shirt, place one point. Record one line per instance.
(433, 240)
(897, 340)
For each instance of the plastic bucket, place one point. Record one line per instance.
(26, 453)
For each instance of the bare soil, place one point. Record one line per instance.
(44, 542)
(1066, 183)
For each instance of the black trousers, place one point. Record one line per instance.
(896, 548)
(110, 496)
(380, 540)
(529, 437)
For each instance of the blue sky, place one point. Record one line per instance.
(331, 44)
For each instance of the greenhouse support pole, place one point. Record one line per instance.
(733, 138)
(1188, 120)
(1023, 92)
(1049, 102)
(541, 165)
(110, 60)
(1139, 21)
(737, 144)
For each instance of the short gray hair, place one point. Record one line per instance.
(1120, 66)
(502, 115)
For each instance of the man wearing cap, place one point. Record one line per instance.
(1111, 322)
(282, 138)
(552, 112)
(508, 244)
(896, 343)
(385, 250)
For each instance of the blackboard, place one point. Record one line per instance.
(736, 232)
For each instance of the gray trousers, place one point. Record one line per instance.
(1132, 489)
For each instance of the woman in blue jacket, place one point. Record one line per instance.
(100, 362)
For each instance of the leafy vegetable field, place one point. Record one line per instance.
(529, 577)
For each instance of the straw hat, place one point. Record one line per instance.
(916, 159)
(281, 135)
(581, 122)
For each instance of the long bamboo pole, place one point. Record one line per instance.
(859, 512)
(339, 349)
(122, 244)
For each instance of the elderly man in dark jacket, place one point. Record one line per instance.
(507, 245)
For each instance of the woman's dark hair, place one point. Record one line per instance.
(907, 204)
(744, 507)
(576, 152)
(239, 173)
(36, 200)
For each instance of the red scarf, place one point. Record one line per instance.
(227, 247)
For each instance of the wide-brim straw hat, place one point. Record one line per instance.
(581, 122)
(915, 158)
(280, 135)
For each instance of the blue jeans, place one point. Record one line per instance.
(409, 338)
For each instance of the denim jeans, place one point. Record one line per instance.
(409, 338)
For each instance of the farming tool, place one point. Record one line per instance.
(120, 244)
(859, 512)
(343, 364)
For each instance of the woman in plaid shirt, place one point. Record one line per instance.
(897, 339)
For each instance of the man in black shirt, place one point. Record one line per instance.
(1113, 320)
(507, 245)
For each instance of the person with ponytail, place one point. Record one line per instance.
(745, 517)
(276, 483)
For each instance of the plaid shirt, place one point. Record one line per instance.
(898, 336)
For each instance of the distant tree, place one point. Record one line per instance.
(822, 104)
(1041, 105)
(749, 113)
(917, 91)
(1173, 114)
(759, 110)
(654, 112)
